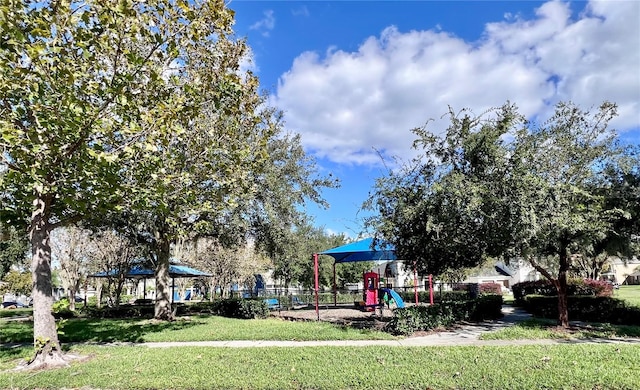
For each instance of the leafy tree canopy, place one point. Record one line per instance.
(498, 185)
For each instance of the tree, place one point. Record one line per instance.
(16, 282)
(503, 187)
(71, 247)
(227, 265)
(82, 85)
(13, 248)
(437, 208)
(113, 255)
(278, 222)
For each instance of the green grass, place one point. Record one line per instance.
(575, 366)
(8, 313)
(199, 328)
(536, 328)
(629, 293)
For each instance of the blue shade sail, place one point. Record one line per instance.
(362, 250)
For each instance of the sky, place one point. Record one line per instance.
(354, 77)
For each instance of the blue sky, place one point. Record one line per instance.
(353, 77)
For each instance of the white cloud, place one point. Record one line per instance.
(301, 11)
(349, 104)
(266, 24)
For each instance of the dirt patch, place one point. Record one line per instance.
(339, 315)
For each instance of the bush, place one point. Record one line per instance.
(574, 287)
(233, 308)
(61, 309)
(586, 308)
(490, 288)
(438, 296)
(122, 311)
(444, 314)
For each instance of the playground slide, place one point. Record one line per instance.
(396, 297)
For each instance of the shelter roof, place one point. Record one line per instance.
(140, 272)
(363, 250)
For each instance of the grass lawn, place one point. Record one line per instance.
(629, 293)
(8, 313)
(198, 328)
(538, 328)
(572, 366)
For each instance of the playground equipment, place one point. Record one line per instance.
(370, 298)
(393, 295)
(373, 293)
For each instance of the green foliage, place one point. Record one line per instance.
(500, 186)
(438, 296)
(291, 248)
(17, 283)
(13, 247)
(61, 309)
(444, 314)
(575, 286)
(233, 308)
(586, 308)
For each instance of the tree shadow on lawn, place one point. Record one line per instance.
(582, 329)
(96, 330)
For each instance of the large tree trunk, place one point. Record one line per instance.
(72, 299)
(163, 288)
(99, 294)
(561, 286)
(45, 335)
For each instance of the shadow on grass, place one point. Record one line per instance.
(583, 329)
(10, 313)
(11, 353)
(95, 330)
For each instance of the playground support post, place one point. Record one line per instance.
(431, 289)
(315, 270)
(415, 282)
(335, 286)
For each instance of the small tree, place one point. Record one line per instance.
(113, 255)
(16, 282)
(502, 187)
(71, 247)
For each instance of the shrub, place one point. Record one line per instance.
(233, 308)
(575, 286)
(122, 311)
(490, 288)
(438, 296)
(444, 314)
(61, 309)
(586, 308)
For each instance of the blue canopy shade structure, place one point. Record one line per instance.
(140, 272)
(362, 250)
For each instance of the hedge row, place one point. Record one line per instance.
(574, 287)
(438, 296)
(234, 308)
(443, 314)
(585, 308)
